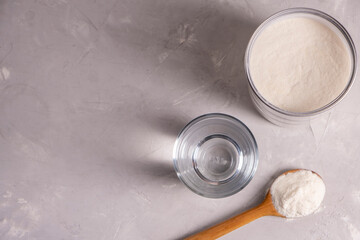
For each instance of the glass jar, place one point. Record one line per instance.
(286, 118)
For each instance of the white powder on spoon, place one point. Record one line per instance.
(298, 193)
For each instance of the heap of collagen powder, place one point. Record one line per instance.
(299, 63)
(297, 194)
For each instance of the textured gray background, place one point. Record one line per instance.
(93, 93)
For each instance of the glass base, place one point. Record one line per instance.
(217, 158)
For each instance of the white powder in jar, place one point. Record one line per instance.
(300, 64)
(298, 193)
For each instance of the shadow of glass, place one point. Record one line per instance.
(167, 124)
(158, 169)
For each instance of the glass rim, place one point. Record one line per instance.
(325, 17)
(224, 116)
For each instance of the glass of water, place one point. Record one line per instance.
(215, 155)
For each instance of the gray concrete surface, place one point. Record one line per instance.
(93, 93)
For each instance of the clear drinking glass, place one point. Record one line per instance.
(215, 155)
(279, 116)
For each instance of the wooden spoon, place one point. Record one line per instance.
(266, 208)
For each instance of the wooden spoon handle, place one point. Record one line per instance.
(264, 209)
(228, 225)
